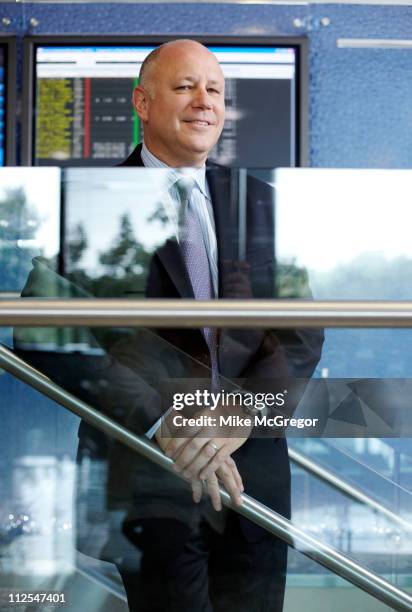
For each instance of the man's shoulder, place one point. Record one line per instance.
(134, 159)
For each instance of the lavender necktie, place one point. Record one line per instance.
(196, 260)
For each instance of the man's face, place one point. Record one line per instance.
(184, 115)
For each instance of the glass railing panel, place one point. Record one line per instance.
(339, 260)
(88, 525)
(102, 212)
(361, 532)
(30, 219)
(122, 382)
(38, 516)
(117, 238)
(356, 246)
(378, 467)
(366, 260)
(310, 587)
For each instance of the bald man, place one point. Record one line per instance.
(180, 101)
(198, 557)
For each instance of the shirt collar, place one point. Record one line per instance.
(198, 174)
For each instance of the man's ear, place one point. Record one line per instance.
(141, 102)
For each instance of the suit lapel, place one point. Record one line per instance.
(171, 257)
(169, 254)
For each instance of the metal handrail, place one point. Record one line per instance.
(345, 487)
(273, 522)
(76, 312)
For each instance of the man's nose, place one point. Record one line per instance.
(202, 98)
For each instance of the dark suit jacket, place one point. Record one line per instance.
(251, 354)
(126, 379)
(241, 353)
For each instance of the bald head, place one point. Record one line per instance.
(180, 101)
(167, 52)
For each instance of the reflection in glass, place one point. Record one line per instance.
(29, 220)
(349, 229)
(115, 229)
(108, 247)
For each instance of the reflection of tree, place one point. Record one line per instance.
(125, 263)
(18, 221)
(76, 244)
(126, 256)
(370, 276)
(159, 215)
(291, 281)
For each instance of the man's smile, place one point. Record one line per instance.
(198, 122)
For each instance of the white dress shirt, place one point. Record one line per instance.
(201, 201)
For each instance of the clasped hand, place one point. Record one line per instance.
(204, 454)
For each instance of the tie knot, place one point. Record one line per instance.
(184, 186)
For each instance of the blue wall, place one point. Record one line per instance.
(360, 99)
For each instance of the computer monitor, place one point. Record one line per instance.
(7, 100)
(78, 100)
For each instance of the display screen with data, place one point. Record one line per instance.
(2, 105)
(83, 114)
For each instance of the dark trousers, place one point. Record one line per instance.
(195, 569)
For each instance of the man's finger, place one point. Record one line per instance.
(175, 446)
(195, 456)
(213, 491)
(239, 482)
(187, 460)
(174, 443)
(197, 490)
(227, 477)
(217, 460)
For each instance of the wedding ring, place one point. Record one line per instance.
(215, 446)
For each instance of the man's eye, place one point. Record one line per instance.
(213, 90)
(183, 87)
